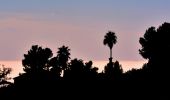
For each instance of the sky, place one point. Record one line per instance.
(79, 24)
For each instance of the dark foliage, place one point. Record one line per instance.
(37, 59)
(156, 48)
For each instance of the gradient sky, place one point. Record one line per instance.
(79, 24)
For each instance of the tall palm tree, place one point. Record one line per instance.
(110, 39)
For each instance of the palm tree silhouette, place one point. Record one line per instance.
(63, 57)
(110, 39)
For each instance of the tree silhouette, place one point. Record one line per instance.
(134, 75)
(108, 71)
(36, 65)
(117, 70)
(155, 43)
(4, 72)
(5, 85)
(149, 43)
(75, 70)
(55, 68)
(90, 71)
(63, 57)
(110, 39)
(113, 71)
(156, 48)
(37, 59)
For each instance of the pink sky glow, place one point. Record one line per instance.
(126, 65)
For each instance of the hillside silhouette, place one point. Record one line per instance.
(60, 76)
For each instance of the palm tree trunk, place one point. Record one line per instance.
(110, 59)
(110, 53)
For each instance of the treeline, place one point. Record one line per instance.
(44, 73)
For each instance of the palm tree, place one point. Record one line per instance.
(110, 39)
(63, 56)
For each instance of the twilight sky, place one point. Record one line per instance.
(79, 24)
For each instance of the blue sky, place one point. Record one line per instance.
(80, 24)
(85, 5)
